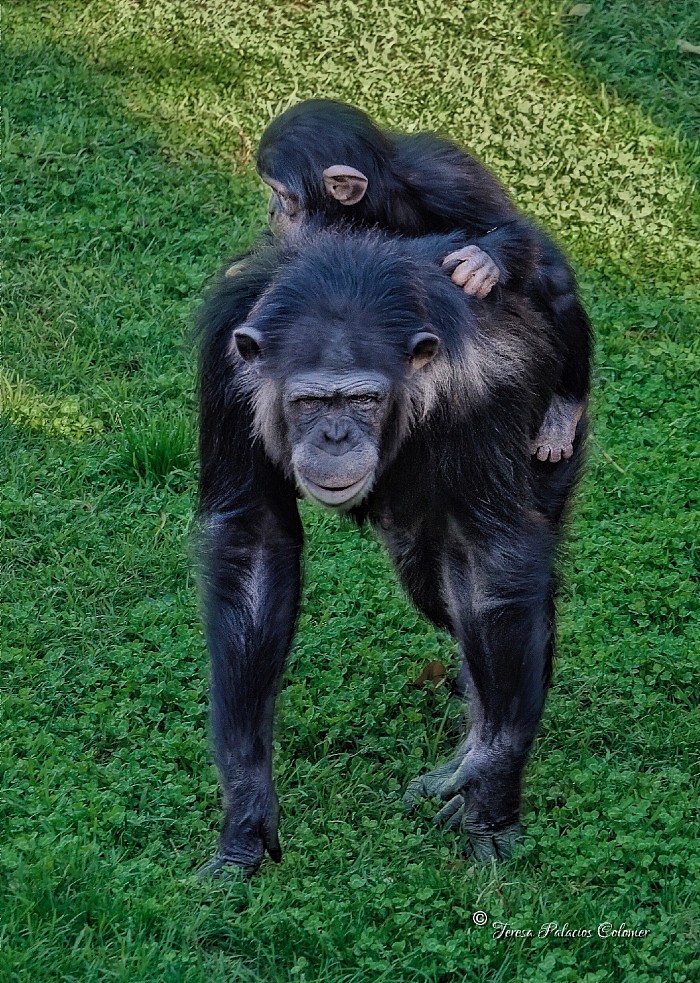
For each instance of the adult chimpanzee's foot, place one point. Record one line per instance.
(438, 783)
(221, 866)
(480, 842)
(463, 785)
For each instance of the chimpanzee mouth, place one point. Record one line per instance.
(346, 495)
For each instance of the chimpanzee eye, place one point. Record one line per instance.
(289, 204)
(308, 402)
(366, 400)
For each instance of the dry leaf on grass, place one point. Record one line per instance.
(434, 672)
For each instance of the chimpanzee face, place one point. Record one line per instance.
(325, 425)
(285, 213)
(334, 426)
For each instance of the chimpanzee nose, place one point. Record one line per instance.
(336, 431)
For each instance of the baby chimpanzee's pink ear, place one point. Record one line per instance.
(346, 184)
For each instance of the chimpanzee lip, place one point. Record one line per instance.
(335, 496)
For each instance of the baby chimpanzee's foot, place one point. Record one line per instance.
(555, 439)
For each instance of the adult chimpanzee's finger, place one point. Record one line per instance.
(450, 816)
(272, 845)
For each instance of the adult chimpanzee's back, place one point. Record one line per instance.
(349, 370)
(324, 159)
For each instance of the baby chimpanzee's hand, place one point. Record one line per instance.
(476, 272)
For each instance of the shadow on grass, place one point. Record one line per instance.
(633, 48)
(108, 245)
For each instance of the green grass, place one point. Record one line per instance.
(127, 134)
(633, 47)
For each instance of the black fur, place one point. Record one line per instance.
(421, 184)
(470, 520)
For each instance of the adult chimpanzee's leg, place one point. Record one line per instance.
(252, 587)
(500, 596)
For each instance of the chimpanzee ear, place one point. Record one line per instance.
(248, 342)
(423, 348)
(346, 184)
(277, 186)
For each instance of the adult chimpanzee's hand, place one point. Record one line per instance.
(250, 828)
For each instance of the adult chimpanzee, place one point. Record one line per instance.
(324, 158)
(346, 368)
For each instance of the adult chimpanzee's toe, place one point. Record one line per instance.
(437, 783)
(452, 814)
(484, 845)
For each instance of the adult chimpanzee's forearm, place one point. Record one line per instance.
(252, 589)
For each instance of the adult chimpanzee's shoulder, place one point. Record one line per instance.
(224, 414)
(234, 290)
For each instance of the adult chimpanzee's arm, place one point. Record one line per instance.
(252, 541)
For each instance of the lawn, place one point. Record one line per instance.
(128, 130)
